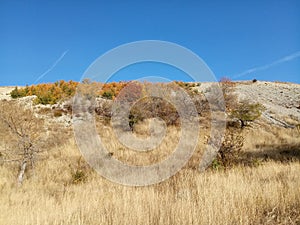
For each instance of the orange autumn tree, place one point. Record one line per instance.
(47, 93)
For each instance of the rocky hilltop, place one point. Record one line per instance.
(281, 100)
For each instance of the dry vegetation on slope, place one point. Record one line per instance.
(262, 186)
(266, 194)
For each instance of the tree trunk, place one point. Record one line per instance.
(22, 172)
(242, 123)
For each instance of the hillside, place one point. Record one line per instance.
(281, 100)
(254, 178)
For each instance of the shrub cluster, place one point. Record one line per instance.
(188, 86)
(47, 93)
(148, 106)
(111, 90)
(52, 93)
(153, 107)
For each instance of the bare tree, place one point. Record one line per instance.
(22, 132)
(230, 97)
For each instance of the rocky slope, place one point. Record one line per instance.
(281, 100)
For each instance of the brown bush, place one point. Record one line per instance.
(153, 107)
(58, 113)
(25, 131)
(230, 150)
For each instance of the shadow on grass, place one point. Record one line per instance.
(278, 153)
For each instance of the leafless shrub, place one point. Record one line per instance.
(230, 98)
(151, 108)
(103, 107)
(24, 130)
(230, 150)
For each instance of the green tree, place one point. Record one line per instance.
(108, 95)
(247, 112)
(15, 93)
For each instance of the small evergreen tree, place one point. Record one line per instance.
(247, 112)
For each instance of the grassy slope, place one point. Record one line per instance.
(266, 194)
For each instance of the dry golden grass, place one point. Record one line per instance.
(141, 130)
(266, 194)
(262, 136)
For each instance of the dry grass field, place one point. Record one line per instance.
(266, 193)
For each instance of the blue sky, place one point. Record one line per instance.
(58, 40)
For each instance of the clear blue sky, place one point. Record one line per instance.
(230, 36)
